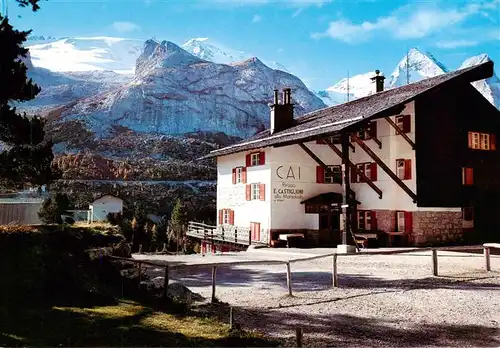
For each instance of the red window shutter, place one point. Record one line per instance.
(231, 217)
(221, 216)
(244, 175)
(493, 142)
(248, 192)
(262, 192)
(407, 169)
(408, 221)
(354, 174)
(407, 123)
(373, 171)
(320, 175)
(469, 176)
(320, 141)
(257, 231)
(248, 160)
(373, 129)
(234, 176)
(470, 139)
(262, 158)
(373, 216)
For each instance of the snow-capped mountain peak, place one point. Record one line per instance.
(414, 67)
(489, 88)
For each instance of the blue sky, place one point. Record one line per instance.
(319, 40)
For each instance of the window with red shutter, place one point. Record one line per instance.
(407, 123)
(374, 220)
(248, 160)
(244, 175)
(221, 217)
(373, 171)
(234, 176)
(262, 158)
(408, 221)
(262, 192)
(467, 176)
(248, 192)
(361, 168)
(320, 175)
(231, 217)
(408, 169)
(493, 142)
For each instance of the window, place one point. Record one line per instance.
(334, 176)
(255, 159)
(255, 191)
(403, 169)
(368, 132)
(255, 231)
(468, 214)
(369, 169)
(404, 221)
(226, 217)
(482, 141)
(467, 176)
(239, 175)
(365, 220)
(404, 123)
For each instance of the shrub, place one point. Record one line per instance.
(53, 208)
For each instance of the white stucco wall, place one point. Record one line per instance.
(232, 196)
(101, 207)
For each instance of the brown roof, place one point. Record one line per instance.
(331, 120)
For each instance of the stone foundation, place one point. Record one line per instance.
(428, 227)
(431, 227)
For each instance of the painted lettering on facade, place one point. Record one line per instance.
(288, 172)
(287, 191)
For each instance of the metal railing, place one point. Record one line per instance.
(237, 235)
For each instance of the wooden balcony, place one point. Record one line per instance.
(222, 234)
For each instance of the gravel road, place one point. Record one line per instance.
(382, 300)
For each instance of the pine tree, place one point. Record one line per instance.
(53, 207)
(26, 157)
(177, 224)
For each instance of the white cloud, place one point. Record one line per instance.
(456, 44)
(126, 27)
(256, 18)
(406, 23)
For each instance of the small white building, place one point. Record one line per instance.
(101, 207)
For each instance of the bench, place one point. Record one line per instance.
(293, 236)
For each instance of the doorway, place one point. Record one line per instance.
(329, 226)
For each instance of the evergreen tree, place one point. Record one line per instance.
(52, 209)
(26, 157)
(177, 225)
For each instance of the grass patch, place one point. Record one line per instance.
(125, 324)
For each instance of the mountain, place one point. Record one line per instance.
(205, 49)
(415, 67)
(175, 92)
(84, 53)
(490, 87)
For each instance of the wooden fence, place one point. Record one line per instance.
(237, 235)
(434, 252)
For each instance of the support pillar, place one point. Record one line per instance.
(347, 245)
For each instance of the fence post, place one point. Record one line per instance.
(236, 235)
(214, 275)
(487, 258)
(165, 283)
(249, 237)
(231, 318)
(140, 274)
(298, 336)
(434, 262)
(289, 278)
(334, 271)
(140, 248)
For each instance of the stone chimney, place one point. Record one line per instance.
(379, 81)
(281, 114)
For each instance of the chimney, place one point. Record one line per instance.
(281, 114)
(379, 81)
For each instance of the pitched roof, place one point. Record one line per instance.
(333, 119)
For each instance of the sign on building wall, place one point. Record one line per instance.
(287, 184)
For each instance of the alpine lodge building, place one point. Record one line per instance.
(413, 165)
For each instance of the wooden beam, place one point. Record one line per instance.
(316, 158)
(351, 145)
(400, 132)
(377, 141)
(359, 172)
(385, 167)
